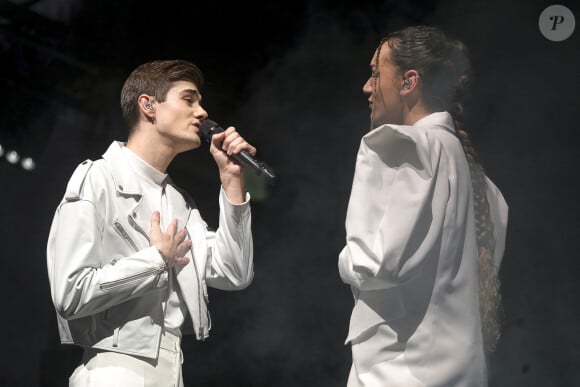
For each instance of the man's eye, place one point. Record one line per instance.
(189, 101)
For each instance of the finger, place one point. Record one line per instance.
(217, 139)
(230, 130)
(231, 136)
(172, 228)
(234, 144)
(181, 234)
(155, 218)
(183, 247)
(245, 146)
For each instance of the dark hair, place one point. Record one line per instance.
(155, 78)
(445, 72)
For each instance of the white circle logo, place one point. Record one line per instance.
(557, 23)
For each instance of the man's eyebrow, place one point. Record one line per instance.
(193, 92)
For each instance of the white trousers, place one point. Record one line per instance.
(110, 369)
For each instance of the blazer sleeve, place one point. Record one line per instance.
(396, 209)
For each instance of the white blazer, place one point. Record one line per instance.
(411, 259)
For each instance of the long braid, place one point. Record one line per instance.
(490, 304)
(445, 69)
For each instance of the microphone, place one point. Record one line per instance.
(208, 128)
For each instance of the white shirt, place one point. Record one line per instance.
(153, 184)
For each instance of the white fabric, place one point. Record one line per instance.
(153, 183)
(411, 259)
(108, 285)
(109, 369)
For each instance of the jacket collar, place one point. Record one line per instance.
(125, 180)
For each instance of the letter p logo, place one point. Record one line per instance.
(557, 20)
(557, 23)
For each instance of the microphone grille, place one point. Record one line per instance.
(208, 128)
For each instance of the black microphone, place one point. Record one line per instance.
(208, 128)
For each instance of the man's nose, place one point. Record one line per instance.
(200, 112)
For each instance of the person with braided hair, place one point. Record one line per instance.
(425, 226)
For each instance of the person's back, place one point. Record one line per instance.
(414, 251)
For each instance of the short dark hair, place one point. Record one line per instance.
(155, 78)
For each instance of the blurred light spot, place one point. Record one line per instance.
(1, 150)
(28, 164)
(12, 157)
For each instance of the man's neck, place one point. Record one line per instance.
(152, 150)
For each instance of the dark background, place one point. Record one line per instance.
(289, 77)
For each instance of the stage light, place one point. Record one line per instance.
(12, 157)
(28, 164)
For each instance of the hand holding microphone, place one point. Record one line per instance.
(208, 128)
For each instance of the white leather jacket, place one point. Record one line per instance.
(108, 285)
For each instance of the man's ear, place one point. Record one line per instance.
(146, 104)
(410, 81)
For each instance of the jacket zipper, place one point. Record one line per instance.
(135, 277)
(132, 278)
(200, 330)
(121, 231)
(200, 288)
(200, 292)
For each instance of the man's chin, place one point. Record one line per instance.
(190, 144)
